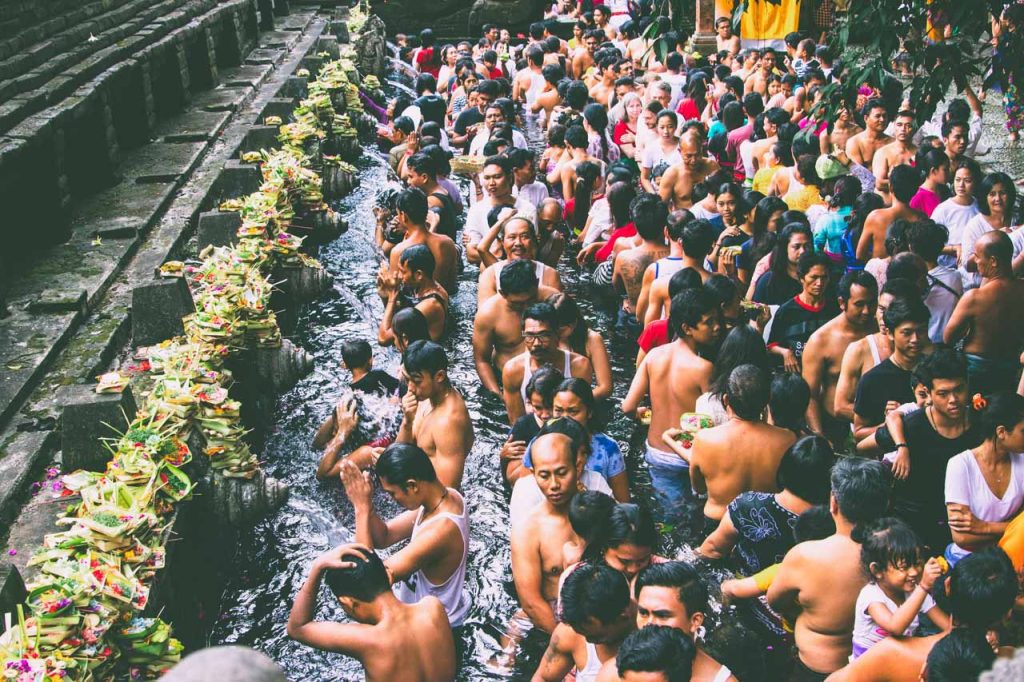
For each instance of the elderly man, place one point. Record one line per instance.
(519, 241)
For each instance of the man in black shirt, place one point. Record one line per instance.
(472, 117)
(802, 315)
(888, 385)
(930, 438)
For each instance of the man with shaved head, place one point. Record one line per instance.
(990, 319)
(677, 184)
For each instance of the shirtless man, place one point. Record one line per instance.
(674, 376)
(861, 148)
(824, 351)
(413, 284)
(696, 241)
(498, 327)
(676, 188)
(597, 614)
(392, 640)
(663, 269)
(602, 15)
(725, 40)
(672, 594)
(548, 98)
(819, 581)
(722, 470)
(412, 208)
(773, 118)
(901, 150)
(551, 239)
(539, 538)
(990, 319)
(435, 419)
(433, 563)
(864, 355)
(904, 182)
(980, 590)
(649, 215)
(496, 180)
(540, 332)
(758, 81)
(519, 242)
(601, 92)
(583, 59)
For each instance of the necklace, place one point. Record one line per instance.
(439, 502)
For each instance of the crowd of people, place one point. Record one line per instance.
(826, 316)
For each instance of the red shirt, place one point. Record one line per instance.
(688, 110)
(627, 231)
(423, 62)
(655, 334)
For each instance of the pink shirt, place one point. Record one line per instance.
(926, 201)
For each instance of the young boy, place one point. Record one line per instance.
(357, 358)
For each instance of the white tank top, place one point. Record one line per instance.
(536, 87)
(450, 593)
(528, 372)
(593, 667)
(538, 268)
(667, 266)
(873, 345)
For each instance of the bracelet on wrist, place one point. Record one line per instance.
(902, 445)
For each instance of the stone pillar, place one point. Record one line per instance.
(186, 80)
(12, 588)
(112, 147)
(86, 419)
(703, 40)
(157, 309)
(149, 103)
(211, 54)
(218, 228)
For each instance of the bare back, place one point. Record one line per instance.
(729, 470)
(677, 378)
(996, 319)
(415, 645)
(630, 266)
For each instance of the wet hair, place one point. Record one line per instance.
(657, 649)
(518, 277)
(905, 309)
(649, 213)
(908, 266)
(418, 258)
(805, 167)
(587, 175)
(356, 353)
(595, 115)
(887, 541)
(780, 254)
(742, 346)
(845, 191)
(723, 288)
(411, 324)
(424, 357)
(675, 223)
(403, 462)
(753, 104)
(567, 313)
(806, 468)
(680, 576)
(1002, 409)
(961, 655)
(544, 382)
(519, 157)
(904, 180)
(576, 137)
(987, 184)
(927, 239)
(788, 400)
(440, 158)
(932, 159)
(405, 124)
(620, 197)
(687, 278)
(501, 161)
(593, 591)
(570, 428)
(697, 238)
(811, 259)
(628, 523)
(581, 389)
(776, 116)
(412, 202)
(747, 391)
(858, 278)
(815, 523)
(763, 240)
(688, 308)
(588, 514)
(363, 581)
(982, 588)
(542, 312)
(576, 95)
(861, 489)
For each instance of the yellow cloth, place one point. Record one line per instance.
(763, 179)
(804, 199)
(1013, 542)
(764, 22)
(763, 578)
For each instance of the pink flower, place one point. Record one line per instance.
(12, 552)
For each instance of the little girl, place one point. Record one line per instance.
(898, 591)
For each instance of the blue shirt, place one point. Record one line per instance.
(605, 457)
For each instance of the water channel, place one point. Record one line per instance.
(273, 558)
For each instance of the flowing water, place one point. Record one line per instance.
(273, 558)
